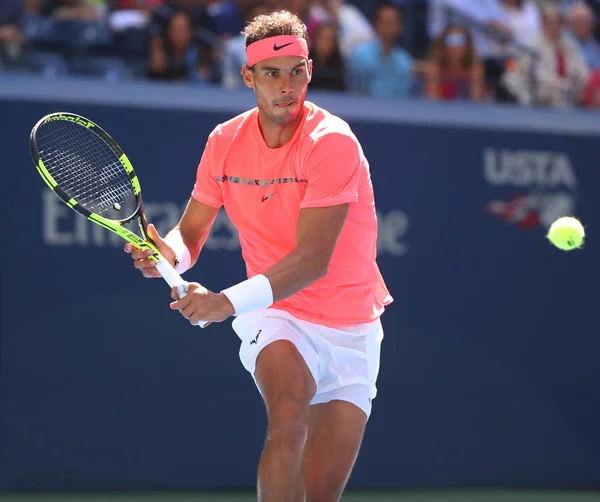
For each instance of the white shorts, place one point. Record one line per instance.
(344, 362)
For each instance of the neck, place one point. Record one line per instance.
(387, 46)
(179, 52)
(276, 135)
(454, 66)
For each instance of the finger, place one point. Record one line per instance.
(144, 263)
(188, 312)
(129, 248)
(138, 254)
(181, 304)
(195, 319)
(154, 235)
(174, 293)
(151, 272)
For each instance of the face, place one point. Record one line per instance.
(180, 31)
(326, 40)
(553, 25)
(280, 85)
(388, 24)
(455, 43)
(582, 24)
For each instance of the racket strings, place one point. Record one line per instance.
(87, 169)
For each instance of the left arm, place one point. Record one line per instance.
(317, 233)
(477, 83)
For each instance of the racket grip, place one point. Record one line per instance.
(173, 279)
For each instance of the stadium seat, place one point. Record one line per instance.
(110, 69)
(132, 44)
(80, 37)
(38, 28)
(47, 64)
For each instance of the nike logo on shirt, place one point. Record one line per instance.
(267, 197)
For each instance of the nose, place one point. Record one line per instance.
(286, 85)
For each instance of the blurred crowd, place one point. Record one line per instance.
(528, 52)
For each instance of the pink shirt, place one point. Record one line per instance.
(263, 190)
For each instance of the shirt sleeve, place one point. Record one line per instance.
(207, 188)
(332, 172)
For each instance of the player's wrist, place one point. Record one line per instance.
(252, 294)
(228, 308)
(182, 260)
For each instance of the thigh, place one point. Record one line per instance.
(335, 434)
(283, 377)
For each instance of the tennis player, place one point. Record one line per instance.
(296, 184)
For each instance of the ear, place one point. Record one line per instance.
(310, 68)
(248, 76)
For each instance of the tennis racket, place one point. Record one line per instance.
(87, 169)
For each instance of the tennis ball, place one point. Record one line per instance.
(566, 233)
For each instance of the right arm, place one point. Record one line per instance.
(194, 227)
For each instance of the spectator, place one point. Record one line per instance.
(380, 68)
(128, 14)
(353, 29)
(559, 72)
(204, 34)
(591, 92)
(84, 10)
(581, 24)
(488, 24)
(455, 71)
(234, 51)
(524, 19)
(486, 20)
(328, 62)
(176, 58)
(11, 36)
(228, 16)
(415, 36)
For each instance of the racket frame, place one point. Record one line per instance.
(167, 271)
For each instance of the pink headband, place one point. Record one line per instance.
(281, 45)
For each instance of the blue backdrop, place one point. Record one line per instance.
(489, 373)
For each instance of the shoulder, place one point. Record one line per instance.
(328, 138)
(322, 127)
(402, 55)
(366, 50)
(228, 130)
(570, 43)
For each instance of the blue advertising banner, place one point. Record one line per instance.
(489, 372)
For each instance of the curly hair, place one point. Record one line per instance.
(278, 22)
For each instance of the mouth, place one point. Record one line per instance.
(285, 104)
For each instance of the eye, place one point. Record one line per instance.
(298, 71)
(272, 74)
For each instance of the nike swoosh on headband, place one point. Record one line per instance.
(276, 48)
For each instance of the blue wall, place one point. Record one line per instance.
(489, 375)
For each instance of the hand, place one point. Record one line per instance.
(200, 304)
(141, 259)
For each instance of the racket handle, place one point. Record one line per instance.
(173, 279)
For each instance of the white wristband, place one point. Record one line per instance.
(183, 258)
(252, 294)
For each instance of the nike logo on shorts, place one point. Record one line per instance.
(255, 340)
